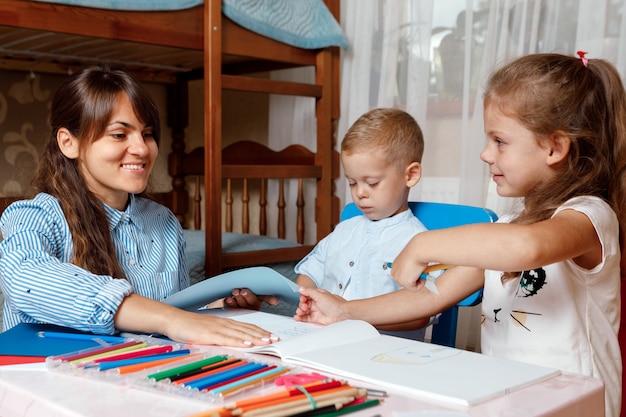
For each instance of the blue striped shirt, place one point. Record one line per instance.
(42, 286)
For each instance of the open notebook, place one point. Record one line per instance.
(354, 349)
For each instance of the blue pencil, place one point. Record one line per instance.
(205, 382)
(251, 380)
(81, 336)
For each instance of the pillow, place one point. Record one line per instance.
(302, 23)
(234, 243)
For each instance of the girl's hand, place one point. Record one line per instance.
(319, 306)
(406, 270)
(244, 298)
(205, 329)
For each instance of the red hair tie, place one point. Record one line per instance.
(582, 54)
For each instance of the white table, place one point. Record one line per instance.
(33, 391)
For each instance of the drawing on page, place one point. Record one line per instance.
(416, 354)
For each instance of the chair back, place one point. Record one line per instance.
(440, 216)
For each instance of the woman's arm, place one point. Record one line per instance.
(140, 314)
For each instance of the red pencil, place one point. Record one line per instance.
(150, 350)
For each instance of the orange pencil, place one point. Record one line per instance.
(437, 267)
(312, 387)
(300, 405)
(344, 390)
(127, 369)
(211, 369)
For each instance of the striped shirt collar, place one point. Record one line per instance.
(116, 216)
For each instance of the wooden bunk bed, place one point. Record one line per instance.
(174, 47)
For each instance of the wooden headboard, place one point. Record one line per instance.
(249, 165)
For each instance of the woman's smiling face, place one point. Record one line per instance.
(121, 160)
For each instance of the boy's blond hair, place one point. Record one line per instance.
(392, 132)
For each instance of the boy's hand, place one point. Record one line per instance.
(244, 298)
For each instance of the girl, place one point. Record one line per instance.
(556, 137)
(86, 251)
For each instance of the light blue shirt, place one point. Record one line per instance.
(42, 286)
(353, 261)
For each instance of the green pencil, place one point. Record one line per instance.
(168, 373)
(351, 408)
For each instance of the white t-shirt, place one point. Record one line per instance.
(561, 315)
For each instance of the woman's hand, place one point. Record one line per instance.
(141, 314)
(205, 329)
(244, 298)
(319, 306)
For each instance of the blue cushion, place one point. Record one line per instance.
(233, 243)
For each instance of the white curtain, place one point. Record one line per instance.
(431, 58)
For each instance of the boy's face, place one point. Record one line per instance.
(378, 188)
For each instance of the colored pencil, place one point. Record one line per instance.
(205, 370)
(119, 350)
(104, 366)
(352, 408)
(129, 369)
(74, 356)
(310, 388)
(206, 382)
(300, 406)
(344, 390)
(208, 370)
(148, 350)
(168, 373)
(238, 378)
(236, 386)
(82, 336)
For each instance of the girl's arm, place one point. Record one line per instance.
(502, 246)
(319, 306)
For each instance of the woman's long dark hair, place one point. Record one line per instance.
(83, 105)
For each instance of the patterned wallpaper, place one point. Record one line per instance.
(24, 106)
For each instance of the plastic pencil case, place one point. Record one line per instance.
(175, 369)
(212, 378)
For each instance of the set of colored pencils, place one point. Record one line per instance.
(321, 399)
(177, 368)
(220, 375)
(122, 357)
(184, 371)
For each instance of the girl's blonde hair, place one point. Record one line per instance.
(547, 93)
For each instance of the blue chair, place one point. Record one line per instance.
(440, 216)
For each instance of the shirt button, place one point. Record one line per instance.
(123, 216)
(340, 286)
(132, 262)
(351, 263)
(384, 267)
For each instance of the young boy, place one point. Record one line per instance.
(381, 156)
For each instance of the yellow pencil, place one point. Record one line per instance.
(437, 267)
